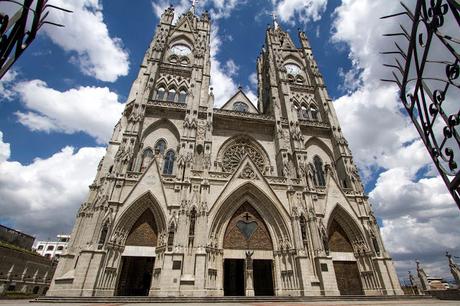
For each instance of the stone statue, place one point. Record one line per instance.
(422, 276)
(454, 269)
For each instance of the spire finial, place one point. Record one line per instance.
(193, 6)
(275, 21)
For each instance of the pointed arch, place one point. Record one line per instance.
(273, 213)
(129, 217)
(160, 146)
(182, 38)
(161, 122)
(247, 230)
(160, 92)
(346, 222)
(319, 171)
(169, 159)
(312, 141)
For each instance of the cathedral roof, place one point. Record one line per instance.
(240, 96)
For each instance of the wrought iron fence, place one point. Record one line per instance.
(19, 30)
(426, 69)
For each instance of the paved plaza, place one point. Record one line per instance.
(326, 303)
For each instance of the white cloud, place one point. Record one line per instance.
(4, 149)
(417, 212)
(92, 110)
(253, 80)
(42, 198)
(180, 7)
(6, 84)
(231, 68)
(417, 220)
(221, 81)
(293, 11)
(86, 36)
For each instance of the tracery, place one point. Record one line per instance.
(237, 151)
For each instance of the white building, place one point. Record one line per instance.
(52, 249)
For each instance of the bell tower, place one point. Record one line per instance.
(292, 89)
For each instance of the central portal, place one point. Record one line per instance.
(234, 277)
(136, 275)
(263, 277)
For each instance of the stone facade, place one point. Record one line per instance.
(21, 269)
(192, 200)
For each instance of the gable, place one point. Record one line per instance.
(240, 97)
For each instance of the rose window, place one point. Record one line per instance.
(236, 153)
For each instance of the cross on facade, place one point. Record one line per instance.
(247, 216)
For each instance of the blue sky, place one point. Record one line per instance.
(62, 98)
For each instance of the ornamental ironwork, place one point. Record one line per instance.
(18, 29)
(427, 74)
(236, 152)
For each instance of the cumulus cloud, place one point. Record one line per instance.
(42, 198)
(416, 210)
(293, 11)
(221, 77)
(87, 38)
(92, 110)
(417, 220)
(6, 84)
(4, 149)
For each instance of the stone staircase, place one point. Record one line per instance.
(225, 299)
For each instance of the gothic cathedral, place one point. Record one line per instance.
(192, 200)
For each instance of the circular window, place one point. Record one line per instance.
(240, 107)
(181, 49)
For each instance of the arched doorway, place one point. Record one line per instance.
(138, 257)
(344, 261)
(246, 240)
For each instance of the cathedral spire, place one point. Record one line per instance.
(193, 6)
(275, 21)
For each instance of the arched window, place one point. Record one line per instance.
(171, 237)
(103, 236)
(303, 229)
(171, 95)
(147, 157)
(240, 107)
(169, 163)
(160, 93)
(314, 112)
(182, 96)
(299, 79)
(319, 171)
(303, 112)
(191, 231)
(160, 147)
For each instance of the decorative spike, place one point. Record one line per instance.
(409, 13)
(401, 51)
(393, 15)
(406, 34)
(395, 34)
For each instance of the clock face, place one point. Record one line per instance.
(292, 69)
(181, 50)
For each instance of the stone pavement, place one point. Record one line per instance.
(326, 303)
